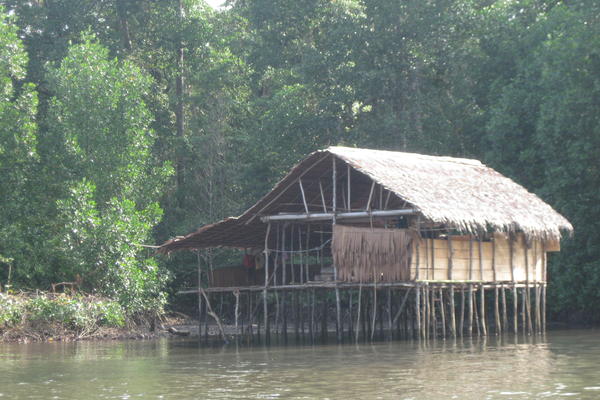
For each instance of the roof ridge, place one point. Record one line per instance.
(457, 160)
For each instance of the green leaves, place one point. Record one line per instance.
(99, 112)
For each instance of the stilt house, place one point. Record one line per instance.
(346, 217)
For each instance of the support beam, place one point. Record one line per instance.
(368, 207)
(303, 196)
(349, 175)
(332, 215)
(322, 196)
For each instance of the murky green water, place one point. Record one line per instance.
(563, 364)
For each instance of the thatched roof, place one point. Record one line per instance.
(456, 191)
(461, 193)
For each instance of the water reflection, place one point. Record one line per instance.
(560, 364)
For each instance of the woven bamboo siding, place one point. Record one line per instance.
(433, 257)
(361, 254)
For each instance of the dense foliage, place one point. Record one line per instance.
(128, 122)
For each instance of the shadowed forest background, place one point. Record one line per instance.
(128, 122)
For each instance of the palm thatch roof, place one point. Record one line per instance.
(461, 193)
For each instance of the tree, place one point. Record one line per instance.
(18, 141)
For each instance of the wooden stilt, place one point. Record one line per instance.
(527, 289)
(236, 293)
(432, 312)
(504, 311)
(515, 310)
(335, 276)
(285, 316)
(374, 309)
(462, 311)
(324, 319)
(205, 317)
(452, 312)
(419, 333)
(543, 308)
(250, 317)
(364, 317)
(476, 314)
(380, 308)
(524, 310)
(358, 312)
(425, 311)
(470, 311)
(301, 311)
(296, 316)
(265, 293)
(442, 312)
(312, 315)
(350, 316)
(389, 314)
(538, 316)
(199, 295)
(497, 311)
(482, 310)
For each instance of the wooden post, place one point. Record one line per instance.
(322, 196)
(335, 275)
(425, 310)
(442, 312)
(206, 295)
(300, 254)
(504, 311)
(349, 175)
(236, 293)
(296, 307)
(482, 309)
(389, 314)
(350, 316)
(419, 332)
(199, 295)
(527, 289)
(284, 281)
(265, 298)
(452, 312)
(301, 313)
(324, 321)
(515, 310)
(476, 313)
(470, 311)
(374, 306)
(544, 307)
(431, 312)
(312, 315)
(462, 311)
(250, 316)
(497, 311)
(524, 309)
(307, 258)
(358, 311)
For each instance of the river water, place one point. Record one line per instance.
(560, 364)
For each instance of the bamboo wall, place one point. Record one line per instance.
(488, 261)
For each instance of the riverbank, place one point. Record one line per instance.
(47, 317)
